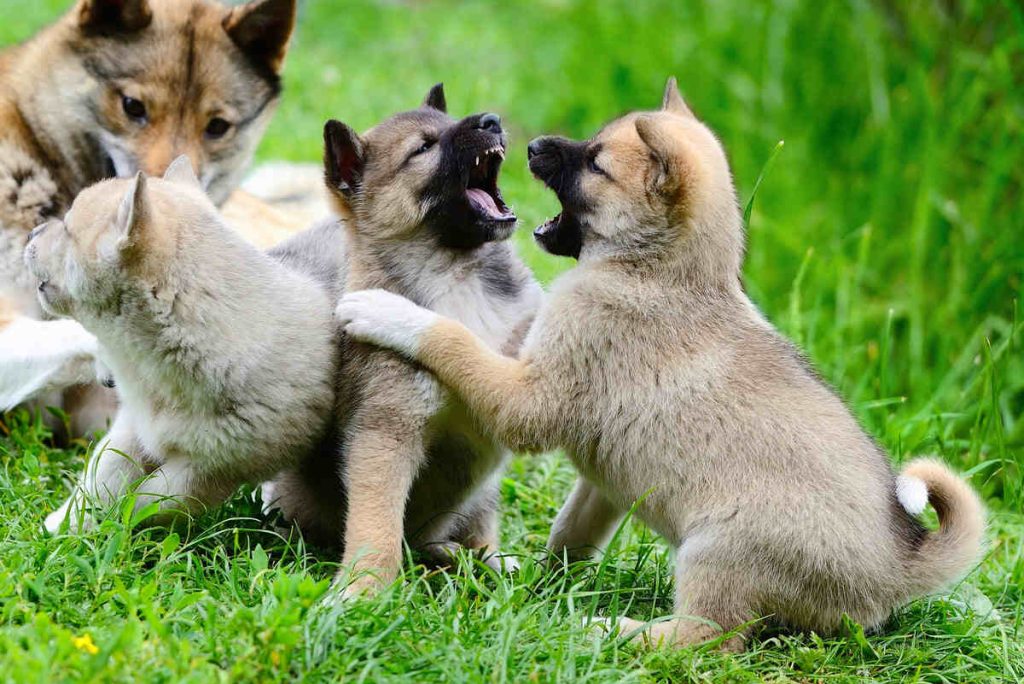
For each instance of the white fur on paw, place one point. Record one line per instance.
(268, 497)
(912, 493)
(54, 520)
(500, 562)
(600, 624)
(384, 319)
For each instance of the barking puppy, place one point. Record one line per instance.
(419, 197)
(658, 376)
(224, 357)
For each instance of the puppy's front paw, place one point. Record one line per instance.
(268, 497)
(54, 520)
(77, 522)
(351, 585)
(384, 319)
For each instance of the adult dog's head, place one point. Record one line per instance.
(645, 184)
(111, 251)
(133, 84)
(421, 171)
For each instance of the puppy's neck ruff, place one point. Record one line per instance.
(179, 325)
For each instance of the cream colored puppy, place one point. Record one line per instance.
(658, 376)
(224, 357)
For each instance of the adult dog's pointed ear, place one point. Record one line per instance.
(132, 212)
(344, 160)
(180, 171)
(261, 29)
(435, 99)
(672, 101)
(114, 16)
(666, 150)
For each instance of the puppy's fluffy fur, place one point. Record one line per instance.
(663, 383)
(224, 357)
(413, 462)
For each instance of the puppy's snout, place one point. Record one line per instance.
(546, 160)
(490, 122)
(542, 231)
(537, 146)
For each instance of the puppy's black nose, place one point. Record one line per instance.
(491, 122)
(533, 149)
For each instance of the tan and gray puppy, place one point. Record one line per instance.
(418, 195)
(225, 358)
(665, 385)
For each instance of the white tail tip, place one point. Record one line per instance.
(912, 493)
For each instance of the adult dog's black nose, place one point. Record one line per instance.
(491, 122)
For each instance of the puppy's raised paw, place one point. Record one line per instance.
(385, 319)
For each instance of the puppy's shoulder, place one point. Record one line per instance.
(379, 380)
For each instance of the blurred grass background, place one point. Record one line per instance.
(887, 239)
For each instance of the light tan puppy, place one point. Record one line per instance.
(664, 384)
(423, 217)
(225, 357)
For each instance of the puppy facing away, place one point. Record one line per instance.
(111, 88)
(224, 356)
(664, 384)
(424, 217)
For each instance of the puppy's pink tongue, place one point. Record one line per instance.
(483, 201)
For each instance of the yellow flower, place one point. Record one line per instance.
(275, 658)
(84, 643)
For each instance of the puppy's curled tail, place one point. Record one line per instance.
(948, 553)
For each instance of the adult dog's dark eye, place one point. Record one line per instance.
(594, 168)
(133, 108)
(217, 128)
(425, 147)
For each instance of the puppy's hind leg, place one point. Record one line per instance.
(481, 529)
(176, 488)
(584, 524)
(713, 599)
(112, 468)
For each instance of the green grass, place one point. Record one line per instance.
(886, 238)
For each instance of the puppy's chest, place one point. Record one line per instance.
(490, 317)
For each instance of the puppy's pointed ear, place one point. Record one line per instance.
(180, 172)
(435, 99)
(132, 212)
(344, 159)
(672, 100)
(261, 29)
(665, 150)
(114, 16)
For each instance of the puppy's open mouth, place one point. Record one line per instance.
(482, 187)
(561, 235)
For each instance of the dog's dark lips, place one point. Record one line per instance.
(482, 187)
